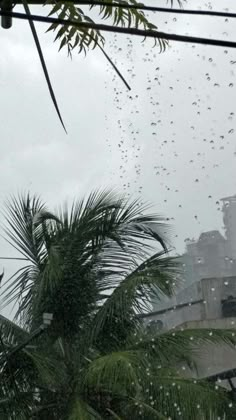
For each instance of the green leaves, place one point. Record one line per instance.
(175, 346)
(96, 267)
(42, 60)
(84, 38)
(92, 247)
(70, 36)
(116, 372)
(11, 334)
(133, 295)
(194, 399)
(82, 410)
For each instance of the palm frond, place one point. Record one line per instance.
(11, 333)
(194, 399)
(18, 289)
(82, 410)
(20, 217)
(200, 336)
(98, 241)
(94, 267)
(114, 67)
(139, 408)
(113, 414)
(50, 369)
(115, 372)
(28, 231)
(175, 346)
(106, 220)
(42, 60)
(134, 294)
(14, 407)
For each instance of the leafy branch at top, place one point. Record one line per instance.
(85, 38)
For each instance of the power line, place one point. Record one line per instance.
(157, 9)
(142, 7)
(146, 33)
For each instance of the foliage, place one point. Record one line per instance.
(85, 38)
(96, 267)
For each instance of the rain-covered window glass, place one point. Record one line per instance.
(118, 210)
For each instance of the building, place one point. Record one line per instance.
(212, 254)
(209, 303)
(209, 256)
(208, 297)
(229, 218)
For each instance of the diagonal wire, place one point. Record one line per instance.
(147, 8)
(146, 33)
(41, 57)
(140, 6)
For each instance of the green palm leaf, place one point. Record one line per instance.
(11, 333)
(116, 372)
(42, 60)
(82, 410)
(84, 38)
(96, 267)
(102, 239)
(28, 231)
(133, 295)
(175, 346)
(188, 398)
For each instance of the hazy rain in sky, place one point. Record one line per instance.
(107, 322)
(171, 139)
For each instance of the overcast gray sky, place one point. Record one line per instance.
(170, 140)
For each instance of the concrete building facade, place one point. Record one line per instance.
(229, 218)
(209, 303)
(208, 299)
(212, 254)
(205, 300)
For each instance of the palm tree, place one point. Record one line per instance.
(96, 267)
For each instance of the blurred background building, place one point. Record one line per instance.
(209, 303)
(212, 255)
(207, 297)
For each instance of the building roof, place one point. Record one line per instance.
(211, 234)
(231, 198)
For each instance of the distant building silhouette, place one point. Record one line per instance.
(208, 296)
(209, 303)
(210, 256)
(229, 219)
(213, 255)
